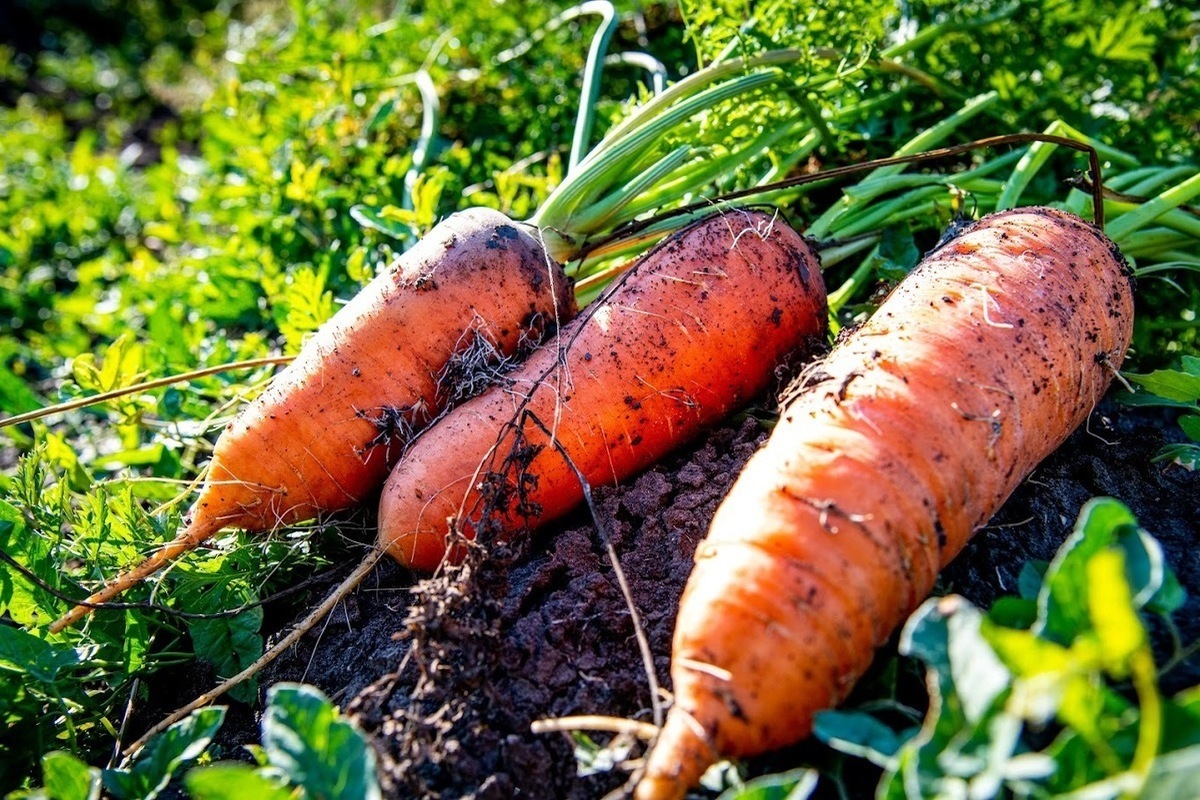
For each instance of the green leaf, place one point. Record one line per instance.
(41, 660)
(163, 755)
(945, 633)
(1013, 612)
(1157, 587)
(135, 642)
(858, 734)
(19, 597)
(374, 219)
(796, 784)
(1114, 619)
(1180, 385)
(1063, 602)
(304, 306)
(305, 737)
(235, 782)
(896, 254)
(231, 644)
(1181, 721)
(65, 777)
(380, 117)
(1191, 426)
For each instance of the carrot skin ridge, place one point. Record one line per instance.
(903, 442)
(695, 329)
(326, 431)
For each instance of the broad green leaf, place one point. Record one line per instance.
(1147, 400)
(236, 782)
(1156, 586)
(1114, 619)
(945, 633)
(65, 777)
(1191, 426)
(1063, 602)
(41, 660)
(374, 219)
(231, 644)
(306, 738)
(858, 734)
(1013, 612)
(19, 597)
(978, 674)
(796, 784)
(163, 755)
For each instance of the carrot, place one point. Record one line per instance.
(898, 446)
(694, 330)
(327, 430)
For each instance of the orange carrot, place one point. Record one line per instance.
(695, 329)
(324, 434)
(899, 445)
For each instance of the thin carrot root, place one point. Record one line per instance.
(326, 432)
(187, 541)
(901, 444)
(349, 584)
(696, 329)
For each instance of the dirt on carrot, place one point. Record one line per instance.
(550, 635)
(694, 330)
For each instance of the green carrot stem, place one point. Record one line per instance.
(695, 176)
(603, 211)
(1150, 241)
(887, 213)
(1151, 210)
(430, 109)
(604, 167)
(592, 69)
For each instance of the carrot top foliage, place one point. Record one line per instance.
(185, 185)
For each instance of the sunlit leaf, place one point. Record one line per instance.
(25, 653)
(65, 777)
(306, 738)
(155, 765)
(236, 782)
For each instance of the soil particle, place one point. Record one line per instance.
(446, 675)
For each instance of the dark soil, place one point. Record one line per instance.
(447, 675)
